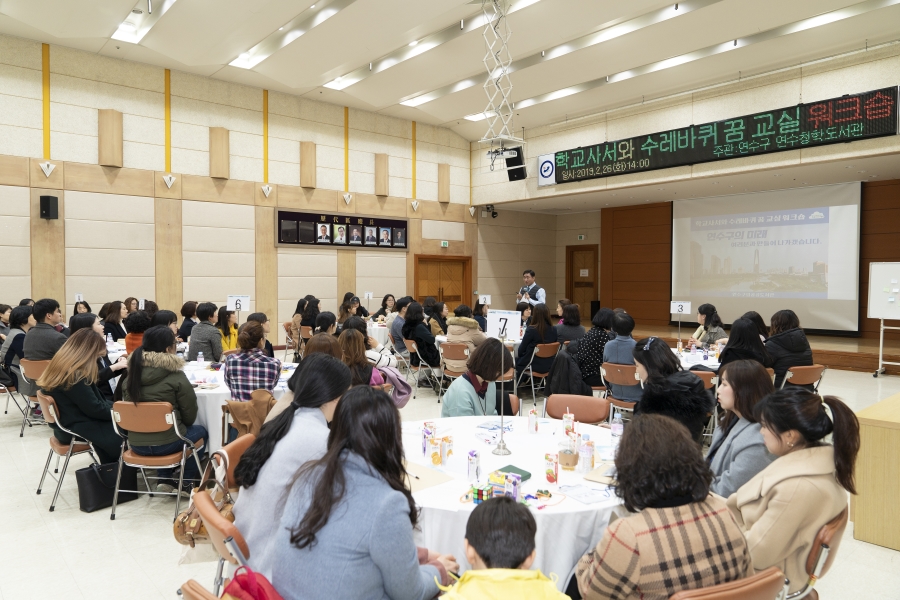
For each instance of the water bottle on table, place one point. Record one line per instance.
(199, 358)
(618, 426)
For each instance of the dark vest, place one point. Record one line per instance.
(532, 293)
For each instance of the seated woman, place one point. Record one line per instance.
(540, 331)
(358, 309)
(744, 344)
(787, 345)
(463, 329)
(189, 312)
(295, 321)
(479, 313)
(326, 322)
(155, 375)
(589, 354)
(560, 306)
(475, 393)
(525, 309)
(710, 329)
(308, 318)
(345, 311)
(71, 378)
(681, 396)
(227, 326)
(137, 322)
(131, 305)
(783, 507)
(168, 319)
(112, 323)
(250, 369)
(415, 329)
(760, 324)
(351, 514)
(80, 308)
(296, 435)
(387, 307)
(438, 321)
(107, 371)
(663, 479)
(737, 452)
(21, 320)
(570, 328)
(376, 353)
(353, 353)
(321, 343)
(654, 359)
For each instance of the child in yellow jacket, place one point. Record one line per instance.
(500, 548)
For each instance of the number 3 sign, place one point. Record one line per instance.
(680, 308)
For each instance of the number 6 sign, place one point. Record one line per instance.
(680, 307)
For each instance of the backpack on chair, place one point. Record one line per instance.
(402, 390)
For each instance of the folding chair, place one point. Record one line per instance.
(192, 590)
(765, 585)
(821, 555)
(587, 409)
(225, 537)
(31, 371)
(540, 351)
(430, 374)
(150, 417)
(78, 445)
(403, 360)
(811, 375)
(289, 342)
(619, 375)
(710, 380)
(452, 351)
(9, 390)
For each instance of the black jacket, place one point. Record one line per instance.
(565, 377)
(526, 349)
(184, 332)
(732, 354)
(117, 331)
(789, 349)
(681, 396)
(424, 340)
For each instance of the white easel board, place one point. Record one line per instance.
(884, 291)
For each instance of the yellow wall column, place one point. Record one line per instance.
(45, 77)
(168, 101)
(265, 136)
(413, 160)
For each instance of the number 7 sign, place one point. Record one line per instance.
(680, 307)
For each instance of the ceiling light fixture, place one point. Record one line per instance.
(290, 31)
(413, 43)
(137, 24)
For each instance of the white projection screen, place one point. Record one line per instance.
(792, 249)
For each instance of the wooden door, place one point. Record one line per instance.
(582, 277)
(448, 279)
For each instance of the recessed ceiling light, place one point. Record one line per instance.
(313, 6)
(863, 171)
(281, 29)
(413, 43)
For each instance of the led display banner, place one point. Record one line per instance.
(343, 231)
(838, 120)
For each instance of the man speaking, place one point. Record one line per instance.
(531, 292)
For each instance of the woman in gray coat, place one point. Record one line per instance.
(738, 452)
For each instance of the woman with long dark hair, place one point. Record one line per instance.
(112, 324)
(310, 312)
(783, 507)
(654, 359)
(155, 375)
(299, 434)
(589, 354)
(438, 322)
(376, 353)
(351, 513)
(744, 344)
(108, 371)
(415, 329)
(738, 452)
(540, 331)
(227, 326)
(788, 345)
(525, 309)
(479, 313)
(761, 326)
(569, 329)
(81, 307)
(664, 482)
(353, 350)
(710, 329)
(21, 320)
(296, 319)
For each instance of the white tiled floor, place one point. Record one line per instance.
(75, 555)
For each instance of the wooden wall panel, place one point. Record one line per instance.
(266, 265)
(108, 180)
(109, 137)
(48, 248)
(879, 242)
(219, 153)
(438, 211)
(169, 265)
(368, 204)
(346, 273)
(161, 190)
(307, 199)
(14, 171)
(443, 182)
(636, 261)
(56, 180)
(210, 189)
(307, 164)
(382, 176)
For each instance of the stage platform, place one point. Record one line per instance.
(835, 352)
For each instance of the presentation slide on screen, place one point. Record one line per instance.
(767, 251)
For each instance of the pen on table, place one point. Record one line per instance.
(414, 475)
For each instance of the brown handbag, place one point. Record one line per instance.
(188, 527)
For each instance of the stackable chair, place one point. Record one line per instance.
(811, 375)
(619, 375)
(821, 555)
(31, 371)
(540, 351)
(402, 360)
(78, 445)
(192, 590)
(710, 380)
(150, 417)
(430, 371)
(9, 391)
(765, 585)
(230, 545)
(452, 351)
(587, 409)
(289, 342)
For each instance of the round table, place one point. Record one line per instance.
(688, 360)
(379, 332)
(214, 394)
(565, 531)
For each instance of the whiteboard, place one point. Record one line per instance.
(884, 291)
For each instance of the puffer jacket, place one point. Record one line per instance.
(463, 330)
(789, 349)
(162, 380)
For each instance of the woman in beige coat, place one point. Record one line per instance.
(463, 329)
(783, 507)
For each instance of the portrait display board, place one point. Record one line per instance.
(343, 231)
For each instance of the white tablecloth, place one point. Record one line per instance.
(565, 531)
(688, 360)
(379, 332)
(210, 401)
(442, 339)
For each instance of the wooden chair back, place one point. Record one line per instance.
(48, 407)
(546, 350)
(33, 369)
(804, 375)
(219, 528)
(234, 451)
(709, 378)
(192, 590)
(454, 351)
(620, 374)
(305, 332)
(143, 417)
(828, 537)
(765, 585)
(287, 331)
(587, 409)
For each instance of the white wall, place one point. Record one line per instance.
(380, 273)
(21, 112)
(303, 271)
(15, 243)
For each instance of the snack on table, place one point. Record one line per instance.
(474, 465)
(446, 448)
(512, 485)
(568, 422)
(551, 466)
(497, 481)
(428, 430)
(434, 451)
(532, 421)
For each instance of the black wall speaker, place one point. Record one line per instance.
(515, 174)
(49, 207)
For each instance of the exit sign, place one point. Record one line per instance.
(581, 237)
(445, 244)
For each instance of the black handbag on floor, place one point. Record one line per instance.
(97, 484)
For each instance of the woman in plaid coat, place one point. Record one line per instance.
(681, 537)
